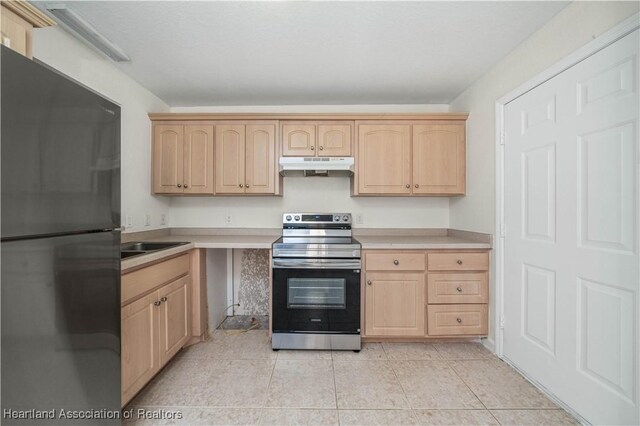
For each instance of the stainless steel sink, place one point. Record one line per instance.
(150, 246)
(128, 250)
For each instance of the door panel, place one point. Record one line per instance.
(168, 160)
(198, 159)
(394, 304)
(261, 159)
(439, 159)
(334, 140)
(572, 270)
(384, 158)
(298, 139)
(230, 159)
(174, 317)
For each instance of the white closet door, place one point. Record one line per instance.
(572, 270)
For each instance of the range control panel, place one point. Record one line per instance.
(317, 218)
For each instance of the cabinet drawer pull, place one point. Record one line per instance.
(459, 320)
(179, 185)
(241, 186)
(157, 303)
(417, 186)
(186, 186)
(459, 261)
(321, 147)
(459, 289)
(312, 148)
(407, 186)
(247, 185)
(369, 282)
(164, 299)
(396, 262)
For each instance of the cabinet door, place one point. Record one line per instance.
(439, 159)
(139, 330)
(230, 158)
(174, 317)
(394, 304)
(168, 159)
(16, 32)
(334, 140)
(298, 139)
(198, 159)
(384, 159)
(261, 159)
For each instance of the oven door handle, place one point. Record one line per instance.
(316, 263)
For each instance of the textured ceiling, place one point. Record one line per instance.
(301, 53)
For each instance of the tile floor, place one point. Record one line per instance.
(236, 379)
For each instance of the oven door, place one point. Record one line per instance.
(316, 296)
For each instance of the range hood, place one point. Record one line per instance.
(316, 166)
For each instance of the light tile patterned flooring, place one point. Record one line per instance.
(237, 379)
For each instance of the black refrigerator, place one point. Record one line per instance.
(60, 249)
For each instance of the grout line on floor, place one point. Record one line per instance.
(449, 364)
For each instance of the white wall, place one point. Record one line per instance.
(63, 52)
(570, 29)
(318, 194)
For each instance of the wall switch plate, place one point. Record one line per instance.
(359, 218)
(228, 219)
(147, 220)
(163, 219)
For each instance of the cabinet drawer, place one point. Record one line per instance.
(395, 262)
(139, 282)
(458, 288)
(458, 261)
(453, 320)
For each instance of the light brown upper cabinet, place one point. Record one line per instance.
(412, 158)
(322, 139)
(17, 21)
(182, 159)
(439, 159)
(246, 159)
(384, 159)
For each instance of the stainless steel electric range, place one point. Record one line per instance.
(316, 283)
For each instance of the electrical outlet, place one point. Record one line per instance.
(228, 219)
(147, 220)
(129, 221)
(163, 219)
(359, 218)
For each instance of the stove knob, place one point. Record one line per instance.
(288, 218)
(297, 217)
(336, 218)
(345, 218)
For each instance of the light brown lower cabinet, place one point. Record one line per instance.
(155, 326)
(394, 304)
(418, 294)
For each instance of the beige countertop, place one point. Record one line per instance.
(263, 238)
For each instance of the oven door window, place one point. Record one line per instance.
(316, 293)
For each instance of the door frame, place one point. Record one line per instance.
(609, 37)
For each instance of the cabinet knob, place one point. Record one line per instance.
(459, 289)
(186, 186)
(369, 282)
(157, 303)
(407, 186)
(179, 185)
(396, 262)
(459, 261)
(416, 185)
(241, 186)
(164, 299)
(459, 320)
(312, 148)
(321, 147)
(246, 186)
